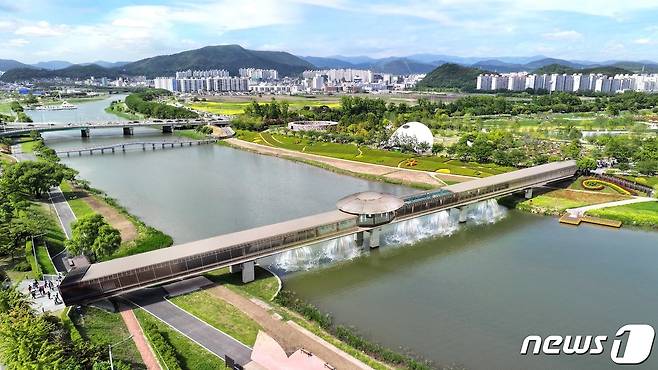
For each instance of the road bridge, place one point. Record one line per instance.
(166, 125)
(143, 144)
(359, 214)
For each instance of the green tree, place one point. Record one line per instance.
(92, 235)
(33, 178)
(586, 164)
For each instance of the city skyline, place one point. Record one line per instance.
(124, 31)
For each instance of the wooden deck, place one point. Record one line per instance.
(577, 220)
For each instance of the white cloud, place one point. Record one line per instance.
(569, 35)
(41, 29)
(643, 41)
(17, 42)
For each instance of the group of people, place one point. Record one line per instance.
(46, 288)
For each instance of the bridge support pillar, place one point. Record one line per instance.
(248, 274)
(84, 132)
(112, 149)
(374, 241)
(528, 193)
(235, 268)
(463, 214)
(358, 237)
(167, 129)
(127, 131)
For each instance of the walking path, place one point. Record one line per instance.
(208, 337)
(290, 337)
(574, 212)
(145, 350)
(392, 173)
(62, 209)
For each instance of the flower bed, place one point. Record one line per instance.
(597, 185)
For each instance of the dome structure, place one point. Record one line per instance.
(369, 203)
(412, 133)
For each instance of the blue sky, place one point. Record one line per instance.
(118, 30)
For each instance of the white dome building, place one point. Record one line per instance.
(412, 132)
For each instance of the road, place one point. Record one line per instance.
(152, 300)
(575, 212)
(62, 209)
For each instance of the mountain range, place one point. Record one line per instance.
(233, 57)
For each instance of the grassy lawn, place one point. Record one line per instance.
(374, 156)
(28, 146)
(190, 134)
(264, 287)
(237, 107)
(557, 201)
(121, 110)
(10, 268)
(189, 354)
(104, 328)
(6, 159)
(220, 315)
(44, 261)
(637, 214)
(80, 207)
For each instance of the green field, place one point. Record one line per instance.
(28, 146)
(103, 328)
(374, 156)
(264, 287)
(44, 261)
(637, 214)
(219, 314)
(189, 354)
(557, 202)
(80, 207)
(237, 107)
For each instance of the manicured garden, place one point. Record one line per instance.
(636, 214)
(598, 185)
(374, 156)
(558, 201)
(238, 107)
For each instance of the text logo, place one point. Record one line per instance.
(632, 344)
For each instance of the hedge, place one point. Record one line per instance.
(163, 348)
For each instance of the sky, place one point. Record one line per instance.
(119, 30)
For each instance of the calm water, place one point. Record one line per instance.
(202, 191)
(89, 111)
(469, 298)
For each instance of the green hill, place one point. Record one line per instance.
(229, 57)
(75, 72)
(559, 68)
(450, 76)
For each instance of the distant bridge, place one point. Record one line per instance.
(362, 213)
(144, 144)
(13, 129)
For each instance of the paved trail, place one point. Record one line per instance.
(144, 348)
(581, 210)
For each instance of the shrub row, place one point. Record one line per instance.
(596, 184)
(164, 349)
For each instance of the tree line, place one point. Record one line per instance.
(144, 102)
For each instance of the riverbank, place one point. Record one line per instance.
(416, 179)
(120, 109)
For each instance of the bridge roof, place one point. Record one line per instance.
(509, 176)
(190, 249)
(369, 203)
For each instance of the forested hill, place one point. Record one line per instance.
(451, 76)
(229, 57)
(75, 71)
(559, 68)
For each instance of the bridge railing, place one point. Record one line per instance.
(77, 291)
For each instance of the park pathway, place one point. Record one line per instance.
(289, 337)
(143, 347)
(576, 212)
(215, 341)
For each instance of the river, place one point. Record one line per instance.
(87, 111)
(467, 296)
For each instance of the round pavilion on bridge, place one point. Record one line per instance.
(373, 208)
